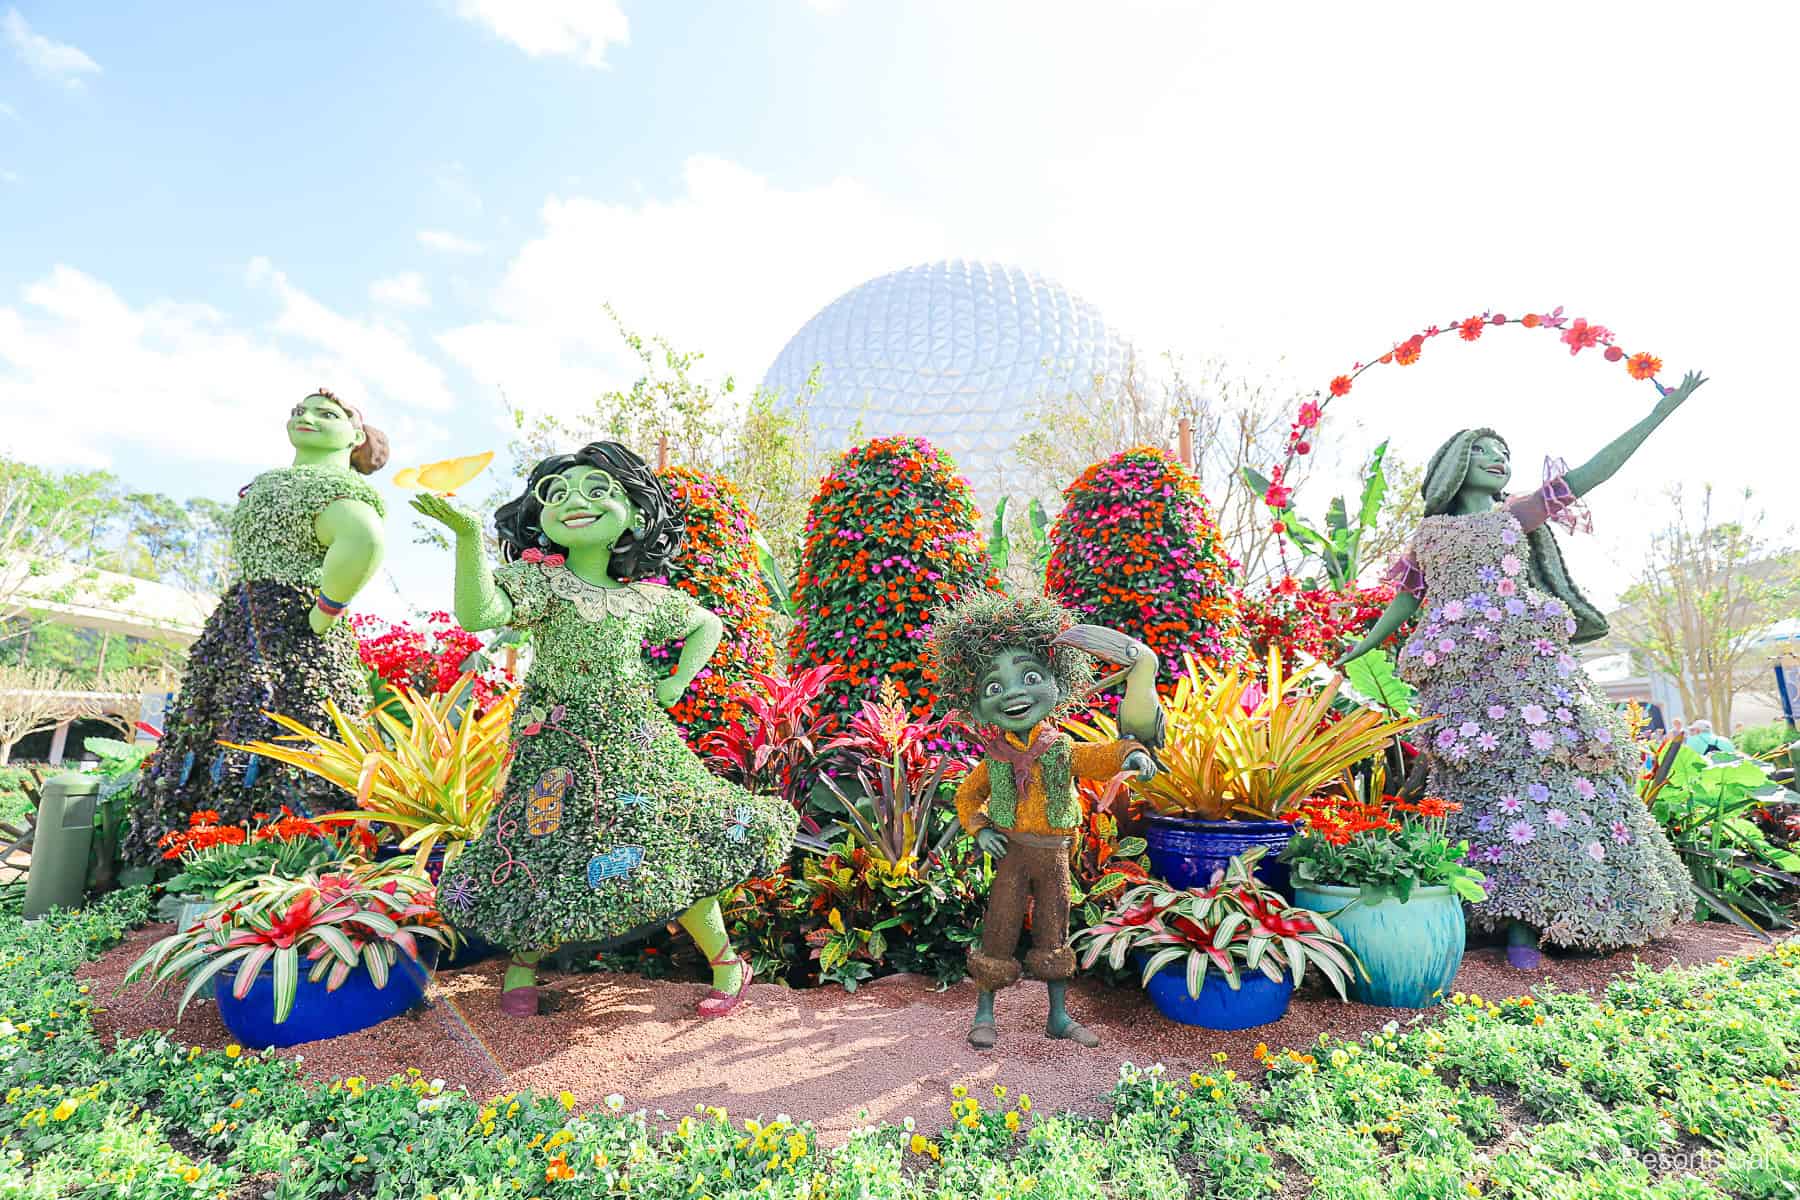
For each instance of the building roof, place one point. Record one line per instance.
(121, 604)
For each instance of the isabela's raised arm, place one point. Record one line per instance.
(479, 603)
(1398, 612)
(1604, 465)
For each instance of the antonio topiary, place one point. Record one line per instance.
(890, 536)
(967, 636)
(717, 566)
(1136, 550)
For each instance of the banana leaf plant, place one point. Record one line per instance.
(360, 915)
(1234, 926)
(1708, 809)
(1338, 546)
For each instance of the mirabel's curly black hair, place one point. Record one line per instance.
(639, 553)
(968, 635)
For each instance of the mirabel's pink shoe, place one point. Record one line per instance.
(717, 1003)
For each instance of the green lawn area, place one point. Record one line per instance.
(1674, 1084)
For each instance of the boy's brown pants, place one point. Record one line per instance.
(1036, 868)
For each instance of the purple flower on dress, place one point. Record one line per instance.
(1477, 600)
(1453, 611)
(1496, 854)
(1488, 575)
(1596, 851)
(1511, 564)
(1520, 832)
(1485, 824)
(1414, 649)
(1558, 818)
(1497, 711)
(1570, 734)
(1488, 741)
(1533, 714)
(1469, 729)
(1564, 716)
(1430, 659)
(1542, 740)
(1492, 613)
(1569, 626)
(1544, 647)
(1458, 752)
(1565, 662)
(1509, 804)
(1538, 793)
(1508, 588)
(1515, 607)
(1482, 633)
(1446, 738)
(1447, 645)
(1563, 695)
(1509, 535)
(1585, 789)
(1553, 608)
(1603, 735)
(1620, 832)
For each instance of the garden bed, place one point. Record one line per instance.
(893, 1049)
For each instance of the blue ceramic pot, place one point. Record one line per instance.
(318, 1014)
(1411, 950)
(1257, 1001)
(1186, 852)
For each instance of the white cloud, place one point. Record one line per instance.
(578, 29)
(9, 112)
(731, 267)
(9, 177)
(405, 290)
(58, 62)
(86, 378)
(449, 243)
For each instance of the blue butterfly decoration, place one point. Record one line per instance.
(738, 824)
(253, 769)
(644, 735)
(187, 765)
(218, 768)
(632, 799)
(614, 864)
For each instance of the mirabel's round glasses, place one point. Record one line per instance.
(595, 485)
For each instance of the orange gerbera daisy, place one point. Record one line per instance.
(1643, 366)
(1340, 386)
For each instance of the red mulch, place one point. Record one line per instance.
(892, 1049)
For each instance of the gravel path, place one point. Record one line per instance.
(893, 1049)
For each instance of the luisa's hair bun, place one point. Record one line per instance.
(372, 455)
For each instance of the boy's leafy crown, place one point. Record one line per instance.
(970, 633)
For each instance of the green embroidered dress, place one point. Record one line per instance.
(609, 823)
(257, 653)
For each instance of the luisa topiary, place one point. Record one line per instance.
(1135, 549)
(890, 536)
(718, 567)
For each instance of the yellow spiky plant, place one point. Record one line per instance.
(428, 769)
(1240, 747)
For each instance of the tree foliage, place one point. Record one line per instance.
(1708, 590)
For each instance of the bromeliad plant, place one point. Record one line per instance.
(358, 916)
(1236, 925)
(1242, 747)
(431, 770)
(1381, 844)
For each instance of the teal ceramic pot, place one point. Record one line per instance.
(1411, 950)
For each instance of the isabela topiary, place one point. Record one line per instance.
(1136, 550)
(890, 536)
(717, 566)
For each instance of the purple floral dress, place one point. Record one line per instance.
(1540, 763)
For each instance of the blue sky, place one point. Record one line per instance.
(206, 209)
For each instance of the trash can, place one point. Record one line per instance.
(59, 844)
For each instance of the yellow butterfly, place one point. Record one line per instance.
(444, 477)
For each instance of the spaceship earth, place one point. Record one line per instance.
(966, 355)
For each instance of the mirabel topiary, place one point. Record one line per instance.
(890, 536)
(718, 567)
(1136, 550)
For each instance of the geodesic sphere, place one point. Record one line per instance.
(963, 354)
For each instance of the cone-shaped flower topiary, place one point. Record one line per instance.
(717, 566)
(890, 536)
(1136, 550)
